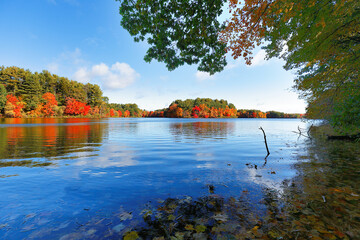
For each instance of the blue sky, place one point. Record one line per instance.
(83, 40)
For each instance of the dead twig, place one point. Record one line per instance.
(267, 148)
(308, 131)
(301, 134)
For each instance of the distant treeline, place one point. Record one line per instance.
(27, 94)
(199, 107)
(245, 113)
(210, 108)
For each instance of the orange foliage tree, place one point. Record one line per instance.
(247, 27)
(48, 108)
(13, 106)
(204, 111)
(127, 113)
(95, 111)
(214, 112)
(174, 111)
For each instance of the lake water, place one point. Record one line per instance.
(91, 178)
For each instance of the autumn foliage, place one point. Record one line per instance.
(13, 106)
(112, 112)
(210, 108)
(48, 108)
(74, 107)
(174, 111)
(127, 113)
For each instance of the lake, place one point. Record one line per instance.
(105, 178)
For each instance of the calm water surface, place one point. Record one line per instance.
(91, 178)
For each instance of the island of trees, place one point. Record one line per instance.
(27, 94)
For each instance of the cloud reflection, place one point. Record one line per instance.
(112, 156)
(258, 176)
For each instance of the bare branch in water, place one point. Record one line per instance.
(267, 148)
(301, 134)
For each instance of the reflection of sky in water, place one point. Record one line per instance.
(111, 156)
(102, 165)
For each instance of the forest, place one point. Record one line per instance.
(26, 94)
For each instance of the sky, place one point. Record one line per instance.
(83, 41)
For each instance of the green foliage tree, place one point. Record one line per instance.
(347, 111)
(12, 77)
(178, 32)
(274, 114)
(48, 81)
(94, 94)
(3, 99)
(323, 45)
(30, 90)
(188, 104)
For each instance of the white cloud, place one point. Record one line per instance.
(119, 75)
(100, 69)
(82, 75)
(259, 58)
(232, 65)
(202, 76)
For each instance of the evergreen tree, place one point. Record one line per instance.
(30, 90)
(94, 94)
(12, 77)
(3, 94)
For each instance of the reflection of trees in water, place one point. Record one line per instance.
(123, 127)
(46, 138)
(199, 130)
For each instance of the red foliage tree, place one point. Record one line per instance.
(17, 105)
(112, 112)
(120, 113)
(195, 111)
(74, 107)
(86, 110)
